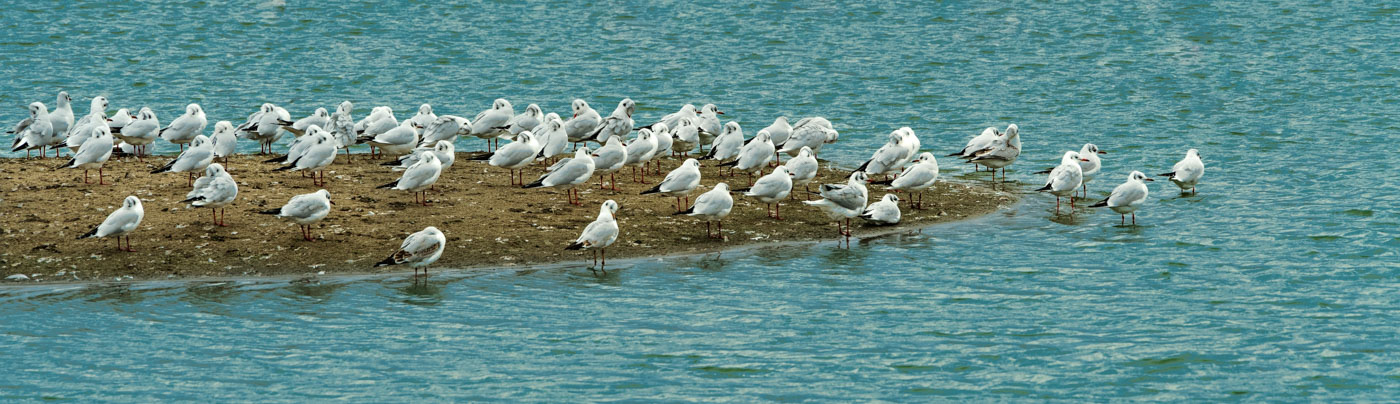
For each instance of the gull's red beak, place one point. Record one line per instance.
(1149, 179)
(1084, 160)
(1102, 152)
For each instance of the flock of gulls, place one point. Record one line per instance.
(423, 147)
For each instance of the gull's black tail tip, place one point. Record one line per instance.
(574, 246)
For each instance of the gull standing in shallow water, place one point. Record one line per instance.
(977, 143)
(418, 177)
(120, 223)
(679, 182)
(883, 212)
(215, 190)
(1001, 153)
(771, 189)
(600, 234)
(1091, 165)
(305, 210)
(844, 201)
(1187, 172)
(1126, 198)
(712, 206)
(1065, 179)
(418, 251)
(917, 178)
(567, 174)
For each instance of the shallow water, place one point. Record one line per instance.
(1277, 281)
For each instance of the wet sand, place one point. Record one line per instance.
(488, 223)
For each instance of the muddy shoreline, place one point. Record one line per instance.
(488, 223)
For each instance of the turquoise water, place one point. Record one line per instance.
(1277, 282)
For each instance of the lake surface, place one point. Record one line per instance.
(1278, 281)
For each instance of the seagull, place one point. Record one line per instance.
(444, 150)
(526, 121)
(673, 119)
(619, 124)
(487, 124)
(687, 136)
(584, 121)
(397, 141)
(142, 131)
(709, 123)
(889, 158)
(679, 182)
(977, 143)
(600, 234)
(1090, 167)
(215, 190)
(87, 125)
(640, 151)
(1187, 172)
(62, 120)
(34, 132)
(608, 159)
(514, 156)
(712, 206)
(197, 158)
(883, 212)
(917, 178)
(186, 128)
(802, 168)
(445, 128)
(305, 210)
(120, 223)
(119, 120)
(265, 126)
(779, 131)
(419, 250)
(1126, 198)
(1001, 153)
(342, 126)
(93, 153)
(1065, 179)
(754, 155)
(425, 116)
(225, 140)
(726, 145)
(294, 150)
(812, 133)
(568, 173)
(320, 118)
(381, 119)
(418, 177)
(319, 153)
(664, 142)
(771, 189)
(844, 201)
(551, 137)
(911, 142)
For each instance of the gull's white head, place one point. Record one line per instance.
(1070, 157)
(268, 107)
(627, 106)
(711, 109)
(549, 117)
(1090, 148)
(432, 231)
(193, 109)
(579, 106)
(36, 109)
(1012, 131)
(722, 187)
(1193, 153)
(325, 194)
(731, 127)
(525, 137)
(763, 136)
(64, 99)
(1138, 176)
(199, 140)
(99, 104)
(533, 110)
(615, 141)
(782, 170)
(611, 206)
(583, 152)
(781, 119)
(688, 109)
(890, 198)
(131, 202)
(859, 177)
(806, 152)
(927, 157)
(425, 109)
(644, 134)
(214, 170)
(692, 163)
(146, 113)
(227, 127)
(500, 104)
(345, 107)
(321, 113)
(444, 146)
(661, 127)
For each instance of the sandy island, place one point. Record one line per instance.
(488, 223)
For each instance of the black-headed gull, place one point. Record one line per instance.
(186, 128)
(445, 128)
(305, 210)
(608, 159)
(709, 123)
(917, 178)
(419, 250)
(1003, 151)
(779, 131)
(712, 206)
(883, 212)
(844, 201)
(679, 183)
(514, 156)
(225, 140)
(754, 155)
(215, 190)
(664, 142)
(803, 168)
(321, 118)
(551, 136)
(342, 126)
(600, 234)
(490, 123)
(120, 223)
(62, 120)
(119, 120)
(889, 158)
(1091, 165)
(978, 143)
(1126, 198)
(584, 121)
(527, 121)
(142, 131)
(726, 145)
(425, 116)
(418, 177)
(265, 126)
(1065, 179)
(671, 120)
(1187, 172)
(395, 142)
(195, 159)
(686, 135)
(381, 119)
(321, 149)
(567, 174)
(813, 133)
(93, 153)
(639, 152)
(771, 189)
(618, 124)
(444, 150)
(87, 125)
(35, 132)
